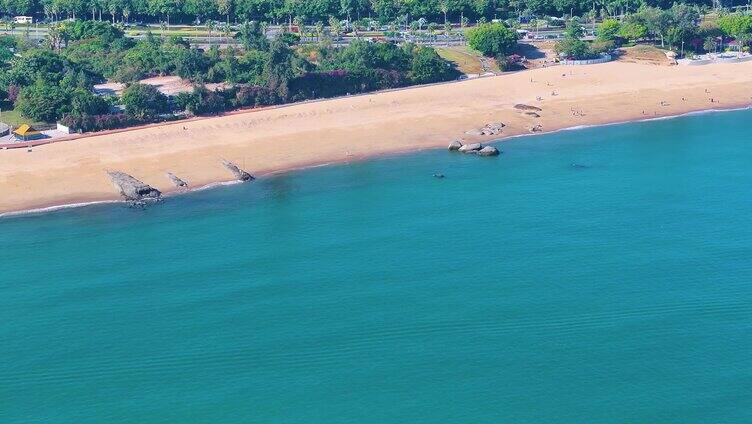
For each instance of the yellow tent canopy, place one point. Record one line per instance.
(26, 130)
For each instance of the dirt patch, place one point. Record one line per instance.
(168, 85)
(650, 55)
(537, 54)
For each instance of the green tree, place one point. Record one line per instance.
(574, 29)
(43, 101)
(736, 25)
(493, 39)
(608, 29)
(252, 37)
(278, 69)
(632, 31)
(84, 102)
(143, 101)
(428, 67)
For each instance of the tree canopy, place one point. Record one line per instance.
(493, 39)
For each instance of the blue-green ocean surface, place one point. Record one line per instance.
(517, 289)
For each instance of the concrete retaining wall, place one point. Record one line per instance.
(603, 59)
(713, 59)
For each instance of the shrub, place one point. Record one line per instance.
(12, 93)
(601, 46)
(253, 96)
(85, 122)
(574, 49)
(205, 102)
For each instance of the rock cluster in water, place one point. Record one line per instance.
(237, 172)
(138, 193)
(132, 189)
(474, 148)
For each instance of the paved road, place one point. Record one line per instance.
(39, 34)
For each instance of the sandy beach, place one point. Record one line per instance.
(353, 128)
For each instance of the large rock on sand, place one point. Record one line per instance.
(132, 189)
(493, 128)
(520, 106)
(455, 145)
(488, 151)
(237, 172)
(470, 148)
(177, 180)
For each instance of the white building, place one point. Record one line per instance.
(23, 19)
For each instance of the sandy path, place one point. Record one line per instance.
(351, 128)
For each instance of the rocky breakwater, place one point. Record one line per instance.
(474, 148)
(239, 174)
(133, 190)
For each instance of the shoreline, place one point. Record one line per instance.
(178, 192)
(352, 129)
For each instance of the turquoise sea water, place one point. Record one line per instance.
(517, 289)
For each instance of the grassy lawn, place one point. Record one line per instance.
(177, 32)
(14, 119)
(466, 60)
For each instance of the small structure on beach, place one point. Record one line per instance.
(26, 132)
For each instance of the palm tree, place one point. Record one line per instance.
(226, 28)
(298, 22)
(224, 7)
(113, 10)
(53, 37)
(444, 7)
(431, 29)
(55, 9)
(319, 31)
(335, 26)
(209, 27)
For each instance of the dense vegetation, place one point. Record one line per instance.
(311, 11)
(55, 82)
(681, 27)
(573, 47)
